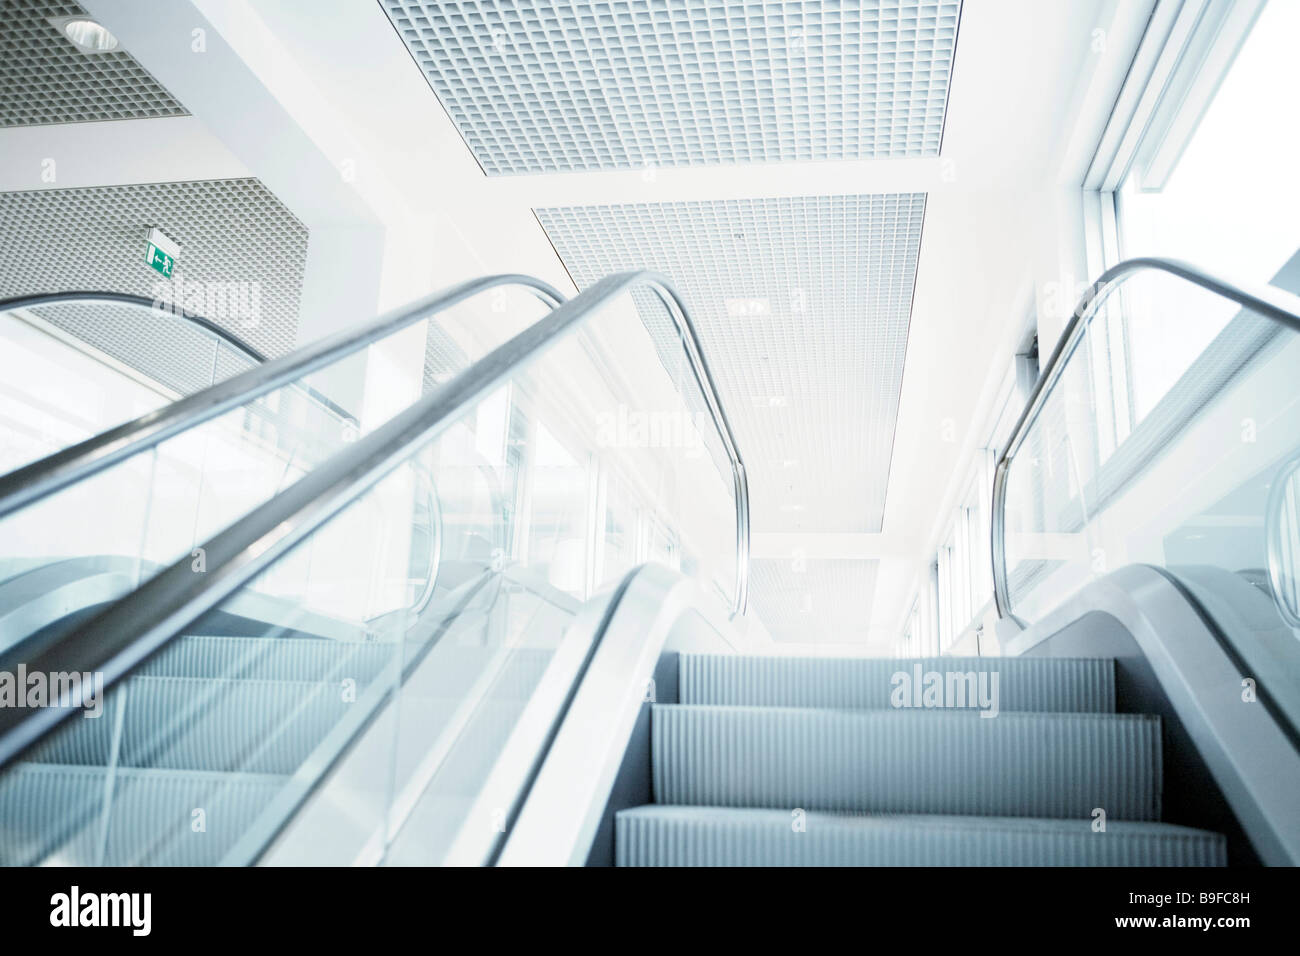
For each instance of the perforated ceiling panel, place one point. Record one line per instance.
(45, 79)
(547, 86)
(165, 348)
(802, 306)
(240, 247)
(443, 358)
(813, 601)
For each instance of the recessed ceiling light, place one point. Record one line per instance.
(87, 35)
(741, 307)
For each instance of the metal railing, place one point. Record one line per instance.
(76, 462)
(125, 634)
(225, 337)
(1280, 518)
(126, 298)
(221, 337)
(1267, 301)
(430, 489)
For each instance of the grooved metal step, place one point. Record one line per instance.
(218, 724)
(250, 724)
(261, 658)
(946, 762)
(184, 723)
(56, 814)
(1023, 683)
(714, 836)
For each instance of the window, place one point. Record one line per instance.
(1197, 177)
(958, 587)
(557, 511)
(1216, 194)
(1196, 164)
(618, 545)
(965, 580)
(920, 636)
(662, 543)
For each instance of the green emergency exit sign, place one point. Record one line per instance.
(159, 261)
(161, 253)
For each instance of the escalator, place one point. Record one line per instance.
(1164, 535)
(282, 677)
(113, 398)
(1140, 707)
(203, 467)
(75, 364)
(569, 695)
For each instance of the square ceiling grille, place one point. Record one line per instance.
(802, 306)
(182, 357)
(552, 86)
(813, 601)
(443, 358)
(164, 348)
(44, 79)
(233, 234)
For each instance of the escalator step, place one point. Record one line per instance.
(1023, 683)
(714, 836)
(261, 658)
(55, 814)
(255, 725)
(951, 762)
(183, 723)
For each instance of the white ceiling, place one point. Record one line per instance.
(44, 79)
(802, 305)
(540, 86)
(996, 217)
(229, 230)
(806, 600)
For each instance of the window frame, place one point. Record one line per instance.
(1185, 52)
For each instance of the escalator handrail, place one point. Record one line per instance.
(646, 605)
(76, 462)
(1280, 581)
(425, 479)
(203, 324)
(256, 357)
(1268, 301)
(125, 634)
(125, 298)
